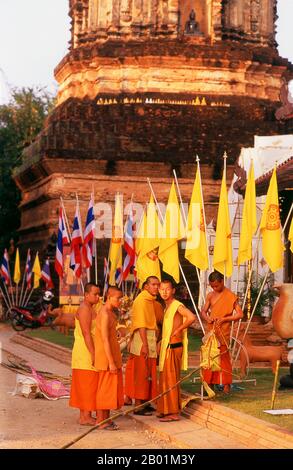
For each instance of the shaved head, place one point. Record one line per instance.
(112, 291)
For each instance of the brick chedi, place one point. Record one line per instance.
(147, 85)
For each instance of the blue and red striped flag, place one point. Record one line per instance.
(46, 275)
(4, 268)
(129, 245)
(28, 270)
(76, 244)
(62, 239)
(89, 235)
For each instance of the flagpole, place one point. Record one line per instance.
(6, 301)
(7, 293)
(23, 279)
(94, 239)
(225, 176)
(10, 281)
(180, 267)
(185, 221)
(65, 218)
(203, 209)
(79, 223)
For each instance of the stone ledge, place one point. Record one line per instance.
(59, 353)
(247, 429)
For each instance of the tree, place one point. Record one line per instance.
(20, 122)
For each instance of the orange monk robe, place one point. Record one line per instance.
(223, 307)
(172, 361)
(110, 386)
(140, 373)
(84, 376)
(170, 403)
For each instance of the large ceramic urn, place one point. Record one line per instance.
(282, 316)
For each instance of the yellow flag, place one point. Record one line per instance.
(115, 255)
(147, 263)
(270, 226)
(290, 236)
(249, 223)
(17, 273)
(196, 244)
(37, 271)
(223, 244)
(173, 230)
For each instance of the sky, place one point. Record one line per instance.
(34, 36)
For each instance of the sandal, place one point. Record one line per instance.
(110, 427)
(143, 412)
(169, 418)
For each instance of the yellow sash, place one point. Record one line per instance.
(136, 343)
(166, 333)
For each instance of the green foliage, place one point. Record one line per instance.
(20, 121)
(268, 295)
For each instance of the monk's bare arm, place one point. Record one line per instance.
(205, 309)
(84, 316)
(106, 339)
(234, 317)
(188, 317)
(145, 347)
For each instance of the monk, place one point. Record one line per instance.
(140, 374)
(221, 303)
(108, 360)
(84, 376)
(173, 352)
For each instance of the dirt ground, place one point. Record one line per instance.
(43, 424)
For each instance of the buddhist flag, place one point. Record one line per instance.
(115, 255)
(223, 262)
(270, 227)
(147, 263)
(17, 273)
(173, 230)
(196, 244)
(37, 271)
(290, 236)
(249, 223)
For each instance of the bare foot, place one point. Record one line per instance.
(87, 422)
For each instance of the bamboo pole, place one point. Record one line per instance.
(180, 267)
(275, 384)
(185, 221)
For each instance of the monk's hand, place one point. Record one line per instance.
(112, 368)
(145, 350)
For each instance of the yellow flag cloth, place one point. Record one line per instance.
(223, 262)
(166, 333)
(173, 230)
(147, 263)
(249, 223)
(143, 312)
(115, 255)
(37, 271)
(17, 274)
(290, 236)
(196, 244)
(270, 227)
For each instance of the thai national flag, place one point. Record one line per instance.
(76, 244)
(46, 275)
(129, 245)
(28, 270)
(118, 276)
(62, 239)
(4, 268)
(89, 235)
